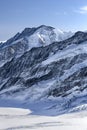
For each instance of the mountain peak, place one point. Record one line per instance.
(36, 36)
(45, 26)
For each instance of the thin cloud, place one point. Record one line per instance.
(82, 10)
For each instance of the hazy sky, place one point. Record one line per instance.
(15, 15)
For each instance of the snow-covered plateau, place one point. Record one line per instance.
(22, 119)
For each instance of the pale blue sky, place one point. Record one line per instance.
(15, 15)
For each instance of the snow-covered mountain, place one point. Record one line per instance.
(47, 66)
(30, 38)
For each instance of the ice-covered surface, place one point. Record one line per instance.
(21, 119)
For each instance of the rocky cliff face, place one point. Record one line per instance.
(56, 70)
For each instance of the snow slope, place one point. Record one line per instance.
(45, 36)
(22, 119)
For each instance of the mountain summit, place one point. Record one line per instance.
(30, 38)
